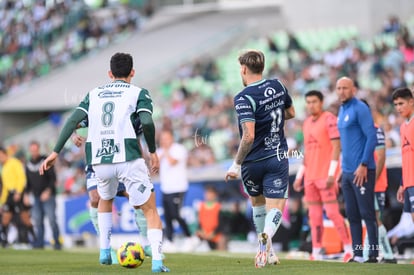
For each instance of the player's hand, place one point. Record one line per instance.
(155, 163)
(297, 185)
(48, 162)
(361, 175)
(400, 194)
(330, 182)
(77, 139)
(233, 172)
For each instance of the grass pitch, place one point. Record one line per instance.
(83, 261)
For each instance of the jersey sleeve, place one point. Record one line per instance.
(332, 126)
(144, 103)
(380, 138)
(244, 109)
(84, 105)
(288, 99)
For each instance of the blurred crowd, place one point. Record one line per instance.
(37, 37)
(377, 70)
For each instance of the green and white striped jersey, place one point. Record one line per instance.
(111, 110)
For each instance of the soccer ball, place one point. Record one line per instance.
(130, 255)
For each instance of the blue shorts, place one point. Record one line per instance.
(268, 177)
(92, 184)
(409, 199)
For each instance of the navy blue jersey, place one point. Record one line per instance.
(264, 102)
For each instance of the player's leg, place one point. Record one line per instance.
(38, 218)
(275, 190)
(353, 215)
(315, 212)
(141, 195)
(140, 221)
(6, 218)
(330, 203)
(49, 207)
(409, 201)
(91, 187)
(107, 188)
(178, 201)
(384, 244)
(252, 182)
(365, 198)
(5, 222)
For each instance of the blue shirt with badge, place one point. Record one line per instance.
(358, 135)
(264, 102)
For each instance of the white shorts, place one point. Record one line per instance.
(134, 174)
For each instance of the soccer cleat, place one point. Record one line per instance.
(158, 267)
(388, 261)
(114, 257)
(105, 256)
(272, 259)
(261, 256)
(347, 257)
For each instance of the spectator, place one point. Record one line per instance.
(44, 192)
(174, 185)
(13, 179)
(211, 221)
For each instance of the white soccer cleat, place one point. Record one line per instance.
(272, 259)
(261, 256)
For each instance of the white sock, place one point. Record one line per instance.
(93, 214)
(105, 227)
(272, 222)
(155, 239)
(141, 222)
(384, 243)
(259, 216)
(365, 250)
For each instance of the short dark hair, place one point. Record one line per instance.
(316, 93)
(121, 65)
(3, 150)
(404, 93)
(254, 61)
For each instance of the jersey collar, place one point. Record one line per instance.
(257, 82)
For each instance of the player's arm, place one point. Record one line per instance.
(367, 126)
(246, 141)
(289, 108)
(290, 113)
(333, 165)
(380, 161)
(70, 125)
(244, 148)
(148, 128)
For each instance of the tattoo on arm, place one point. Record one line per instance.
(245, 144)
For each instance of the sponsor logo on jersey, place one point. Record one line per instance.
(109, 148)
(109, 94)
(240, 99)
(243, 106)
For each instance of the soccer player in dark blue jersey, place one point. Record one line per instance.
(358, 140)
(262, 108)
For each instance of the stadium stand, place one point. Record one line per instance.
(36, 38)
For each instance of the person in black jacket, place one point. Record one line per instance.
(44, 192)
